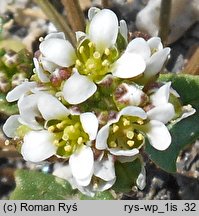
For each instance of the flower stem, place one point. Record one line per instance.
(164, 21)
(57, 19)
(74, 15)
(105, 3)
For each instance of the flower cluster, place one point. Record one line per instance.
(94, 104)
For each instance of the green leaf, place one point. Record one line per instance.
(33, 185)
(184, 132)
(6, 108)
(126, 174)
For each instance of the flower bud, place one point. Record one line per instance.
(126, 94)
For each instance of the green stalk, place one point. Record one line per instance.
(58, 20)
(164, 21)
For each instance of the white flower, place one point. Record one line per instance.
(124, 135)
(140, 57)
(103, 176)
(163, 110)
(67, 137)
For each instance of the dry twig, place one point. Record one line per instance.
(74, 15)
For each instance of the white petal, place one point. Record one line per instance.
(51, 108)
(161, 96)
(105, 185)
(158, 135)
(78, 88)
(28, 111)
(90, 124)
(82, 165)
(156, 62)
(104, 169)
(59, 35)
(38, 146)
(174, 92)
(120, 152)
(20, 90)
(102, 136)
(92, 12)
(129, 65)
(155, 43)
(48, 65)
(58, 51)
(88, 190)
(140, 47)
(64, 172)
(103, 29)
(123, 29)
(11, 125)
(133, 111)
(141, 180)
(40, 72)
(163, 113)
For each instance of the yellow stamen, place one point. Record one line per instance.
(140, 137)
(56, 142)
(81, 49)
(126, 122)
(130, 134)
(65, 137)
(90, 44)
(7, 142)
(113, 144)
(140, 122)
(72, 129)
(41, 39)
(105, 63)
(80, 140)
(115, 128)
(107, 51)
(51, 129)
(91, 66)
(96, 55)
(78, 63)
(60, 125)
(68, 148)
(130, 143)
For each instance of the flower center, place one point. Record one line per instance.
(69, 135)
(92, 63)
(124, 135)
